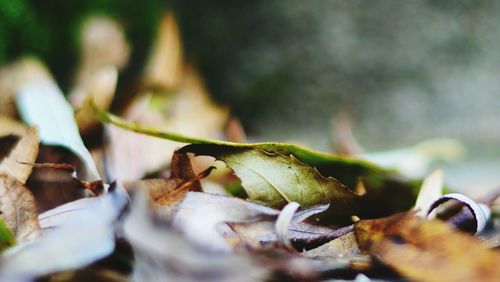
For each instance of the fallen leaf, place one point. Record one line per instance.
(25, 149)
(430, 192)
(166, 195)
(301, 233)
(346, 169)
(163, 70)
(424, 250)
(462, 213)
(53, 186)
(18, 209)
(88, 237)
(274, 180)
(341, 247)
(42, 104)
(65, 212)
(167, 254)
(201, 215)
(181, 168)
(283, 223)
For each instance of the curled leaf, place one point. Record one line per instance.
(283, 223)
(467, 215)
(200, 214)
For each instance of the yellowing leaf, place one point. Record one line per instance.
(275, 180)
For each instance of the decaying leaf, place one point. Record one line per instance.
(53, 184)
(341, 247)
(164, 67)
(203, 213)
(302, 234)
(167, 194)
(86, 238)
(461, 212)
(18, 209)
(427, 250)
(430, 192)
(168, 255)
(25, 149)
(42, 104)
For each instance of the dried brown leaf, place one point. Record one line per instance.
(55, 184)
(25, 150)
(18, 209)
(427, 250)
(343, 246)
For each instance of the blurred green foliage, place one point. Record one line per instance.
(49, 29)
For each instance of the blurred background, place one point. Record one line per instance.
(403, 72)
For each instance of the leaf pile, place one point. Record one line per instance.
(125, 201)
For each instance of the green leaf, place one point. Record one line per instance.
(6, 236)
(277, 173)
(345, 169)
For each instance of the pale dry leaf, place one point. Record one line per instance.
(165, 62)
(160, 251)
(64, 213)
(10, 126)
(25, 151)
(283, 223)
(430, 191)
(18, 209)
(469, 216)
(86, 238)
(53, 180)
(341, 247)
(42, 104)
(200, 214)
